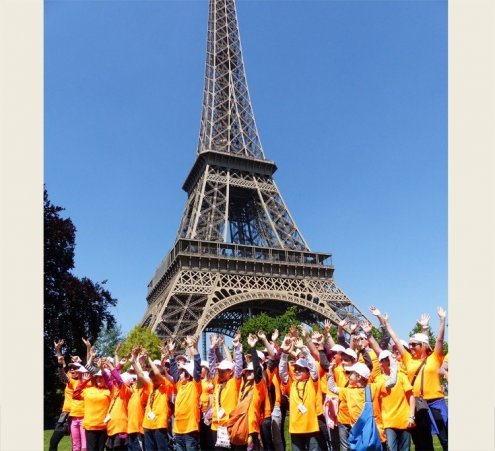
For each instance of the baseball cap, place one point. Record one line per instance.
(303, 363)
(225, 365)
(337, 348)
(384, 354)
(359, 368)
(420, 338)
(350, 352)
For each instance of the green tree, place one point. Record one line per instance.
(144, 337)
(268, 324)
(73, 307)
(108, 339)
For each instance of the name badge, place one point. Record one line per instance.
(151, 415)
(301, 408)
(221, 413)
(107, 419)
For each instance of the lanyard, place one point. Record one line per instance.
(298, 391)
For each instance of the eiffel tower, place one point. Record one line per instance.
(238, 251)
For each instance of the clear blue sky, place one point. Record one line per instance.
(350, 99)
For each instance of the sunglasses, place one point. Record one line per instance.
(415, 344)
(299, 370)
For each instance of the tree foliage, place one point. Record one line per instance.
(141, 336)
(268, 324)
(73, 307)
(107, 340)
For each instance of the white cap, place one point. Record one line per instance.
(359, 368)
(128, 378)
(205, 364)
(337, 348)
(249, 367)
(182, 357)
(303, 363)
(384, 354)
(261, 356)
(82, 369)
(189, 367)
(225, 365)
(350, 352)
(420, 338)
(157, 362)
(362, 335)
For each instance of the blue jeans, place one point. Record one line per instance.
(305, 442)
(156, 439)
(398, 439)
(187, 442)
(343, 436)
(135, 442)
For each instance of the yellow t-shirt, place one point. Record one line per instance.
(187, 407)
(69, 389)
(395, 403)
(431, 385)
(341, 381)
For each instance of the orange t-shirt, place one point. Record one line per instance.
(395, 403)
(259, 407)
(355, 398)
(187, 407)
(96, 403)
(76, 405)
(431, 385)
(224, 397)
(157, 413)
(205, 394)
(118, 410)
(303, 395)
(376, 370)
(135, 409)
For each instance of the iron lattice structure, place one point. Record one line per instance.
(238, 251)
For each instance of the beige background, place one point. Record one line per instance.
(471, 223)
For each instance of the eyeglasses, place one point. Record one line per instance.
(415, 344)
(299, 370)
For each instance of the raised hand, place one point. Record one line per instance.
(424, 320)
(286, 344)
(366, 326)
(375, 311)
(171, 346)
(86, 377)
(327, 326)
(58, 346)
(189, 341)
(275, 335)
(353, 327)
(213, 341)
(299, 344)
(344, 322)
(318, 338)
(442, 314)
(221, 340)
(236, 339)
(261, 335)
(86, 342)
(252, 340)
(293, 331)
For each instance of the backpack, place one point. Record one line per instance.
(237, 424)
(364, 435)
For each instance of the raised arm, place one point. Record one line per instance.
(266, 343)
(283, 365)
(309, 343)
(192, 345)
(237, 355)
(442, 315)
(311, 361)
(367, 328)
(258, 371)
(155, 370)
(61, 362)
(88, 349)
(391, 332)
(328, 336)
(222, 343)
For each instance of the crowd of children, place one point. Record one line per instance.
(356, 394)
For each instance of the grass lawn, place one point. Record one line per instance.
(64, 444)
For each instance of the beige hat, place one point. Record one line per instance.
(225, 365)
